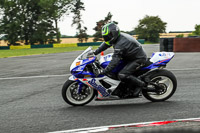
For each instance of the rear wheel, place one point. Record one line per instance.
(70, 95)
(165, 80)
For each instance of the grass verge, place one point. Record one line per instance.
(38, 51)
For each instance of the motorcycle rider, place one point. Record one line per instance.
(126, 48)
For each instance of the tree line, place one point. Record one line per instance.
(36, 21)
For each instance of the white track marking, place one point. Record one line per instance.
(106, 128)
(63, 75)
(30, 77)
(184, 69)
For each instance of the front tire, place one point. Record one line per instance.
(163, 78)
(70, 95)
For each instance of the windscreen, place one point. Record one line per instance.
(85, 53)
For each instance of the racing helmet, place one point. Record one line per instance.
(110, 33)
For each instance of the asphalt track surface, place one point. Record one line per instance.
(31, 102)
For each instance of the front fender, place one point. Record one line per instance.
(72, 78)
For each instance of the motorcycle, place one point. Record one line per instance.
(85, 82)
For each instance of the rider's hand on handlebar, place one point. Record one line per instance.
(101, 72)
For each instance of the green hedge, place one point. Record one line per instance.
(141, 41)
(4, 47)
(42, 46)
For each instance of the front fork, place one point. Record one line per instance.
(80, 87)
(80, 84)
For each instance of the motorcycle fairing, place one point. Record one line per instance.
(78, 70)
(93, 83)
(82, 60)
(96, 84)
(159, 59)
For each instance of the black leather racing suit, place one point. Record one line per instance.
(128, 49)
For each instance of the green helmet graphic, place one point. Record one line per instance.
(110, 33)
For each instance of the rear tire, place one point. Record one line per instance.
(70, 96)
(167, 80)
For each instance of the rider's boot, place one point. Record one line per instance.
(100, 97)
(136, 82)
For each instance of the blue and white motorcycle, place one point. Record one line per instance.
(85, 83)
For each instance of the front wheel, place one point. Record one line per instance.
(166, 80)
(70, 95)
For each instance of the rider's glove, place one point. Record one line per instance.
(99, 72)
(102, 72)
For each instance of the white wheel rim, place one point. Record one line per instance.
(69, 96)
(168, 83)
